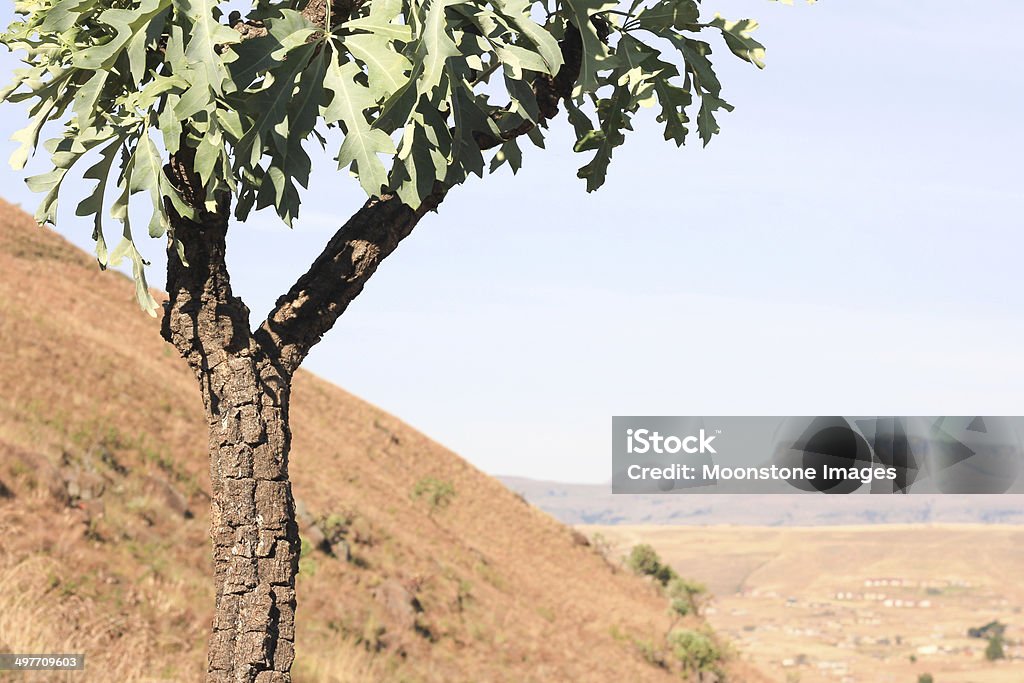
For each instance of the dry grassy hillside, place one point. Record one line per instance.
(104, 512)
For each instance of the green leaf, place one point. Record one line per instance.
(49, 183)
(65, 152)
(517, 12)
(127, 23)
(594, 49)
(87, 98)
(579, 121)
(508, 153)
(523, 98)
(613, 114)
(674, 101)
(64, 14)
(126, 249)
(270, 106)
(206, 35)
(419, 164)
(387, 70)
(706, 123)
(696, 52)
(470, 119)
(29, 138)
(146, 169)
(138, 44)
(435, 46)
(92, 205)
(677, 14)
(737, 37)
(380, 21)
(362, 143)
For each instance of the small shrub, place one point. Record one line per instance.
(644, 560)
(696, 651)
(307, 563)
(437, 492)
(684, 596)
(925, 678)
(335, 526)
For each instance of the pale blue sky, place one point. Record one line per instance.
(851, 244)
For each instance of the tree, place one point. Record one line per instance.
(644, 560)
(685, 596)
(207, 118)
(696, 651)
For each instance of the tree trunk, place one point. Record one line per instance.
(255, 536)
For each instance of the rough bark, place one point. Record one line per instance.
(313, 304)
(255, 537)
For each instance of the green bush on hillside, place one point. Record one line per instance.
(684, 596)
(696, 651)
(644, 560)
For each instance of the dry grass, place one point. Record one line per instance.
(348, 663)
(35, 618)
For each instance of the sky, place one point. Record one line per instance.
(851, 244)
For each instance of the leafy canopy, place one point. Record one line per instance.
(422, 91)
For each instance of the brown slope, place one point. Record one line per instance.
(103, 516)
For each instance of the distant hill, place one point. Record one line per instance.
(104, 515)
(595, 504)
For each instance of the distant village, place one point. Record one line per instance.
(917, 625)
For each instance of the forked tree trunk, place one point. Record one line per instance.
(255, 537)
(245, 380)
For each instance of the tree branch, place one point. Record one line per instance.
(311, 307)
(549, 90)
(314, 303)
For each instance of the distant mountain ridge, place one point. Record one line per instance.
(595, 504)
